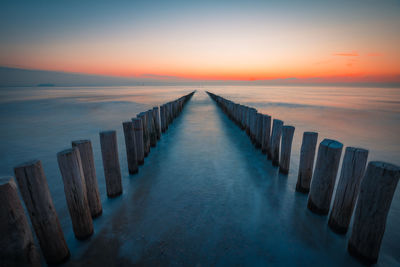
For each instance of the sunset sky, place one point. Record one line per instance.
(207, 40)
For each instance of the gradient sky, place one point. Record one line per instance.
(207, 40)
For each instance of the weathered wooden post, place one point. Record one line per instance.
(353, 167)
(36, 195)
(89, 172)
(146, 137)
(259, 130)
(275, 141)
(17, 247)
(70, 165)
(248, 120)
(156, 115)
(253, 127)
(167, 116)
(307, 155)
(376, 194)
(138, 128)
(266, 133)
(112, 171)
(287, 138)
(162, 118)
(324, 177)
(130, 144)
(152, 131)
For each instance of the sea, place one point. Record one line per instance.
(205, 195)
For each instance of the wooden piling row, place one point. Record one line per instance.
(78, 173)
(373, 190)
(258, 128)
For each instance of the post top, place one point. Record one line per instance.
(28, 163)
(385, 165)
(108, 132)
(82, 141)
(310, 133)
(331, 143)
(289, 127)
(66, 151)
(6, 180)
(356, 149)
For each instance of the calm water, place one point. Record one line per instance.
(185, 197)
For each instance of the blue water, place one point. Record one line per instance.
(204, 196)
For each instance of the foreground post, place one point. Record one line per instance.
(266, 133)
(17, 247)
(275, 141)
(287, 138)
(112, 171)
(353, 167)
(89, 172)
(36, 195)
(138, 128)
(130, 144)
(70, 165)
(307, 155)
(324, 177)
(376, 194)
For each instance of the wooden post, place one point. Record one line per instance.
(147, 133)
(162, 118)
(17, 247)
(36, 195)
(70, 165)
(353, 167)
(130, 144)
(287, 138)
(324, 177)
(259, 130)
(248, 120)
(307, 155)
(275, 141)
(152, 130)
(89, 172)
(253, 127)
(266, 133)
(112, 171)
(146, 137)
(138, 128)
(376, 194)
(156, 116)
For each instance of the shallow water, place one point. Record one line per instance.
(204, 195)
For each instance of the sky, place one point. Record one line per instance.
(328, 41)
